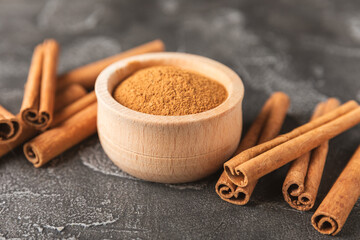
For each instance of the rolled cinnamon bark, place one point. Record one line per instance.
(39, 97)
(226, 188)
(30, 105)
(265, 127)
(68, 96)
(303, 178)
(86, 75)
(10, 127)
(260, 160)
(332, 213)
(294, 182)
(48, 82)
(53, 142)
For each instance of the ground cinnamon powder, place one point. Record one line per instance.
(169, 90)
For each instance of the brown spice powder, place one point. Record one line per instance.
(169, 90)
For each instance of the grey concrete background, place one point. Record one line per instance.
(308, 49)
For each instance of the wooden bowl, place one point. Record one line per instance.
(169, 149)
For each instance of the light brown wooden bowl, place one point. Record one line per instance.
(169, 149)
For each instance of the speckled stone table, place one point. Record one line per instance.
(308, 49)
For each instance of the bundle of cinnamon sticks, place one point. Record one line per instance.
(57, 112)
(261, 152)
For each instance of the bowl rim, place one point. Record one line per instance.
(235, 96)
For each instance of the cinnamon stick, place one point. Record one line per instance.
(224, 187)
(303, 179)
(332, 213)
(86, 75)
(10, 128)
(67, 96)
(260, 160)
(265, 127)
(39, 96)
(53, 142)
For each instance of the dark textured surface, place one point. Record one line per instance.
(308, 49)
